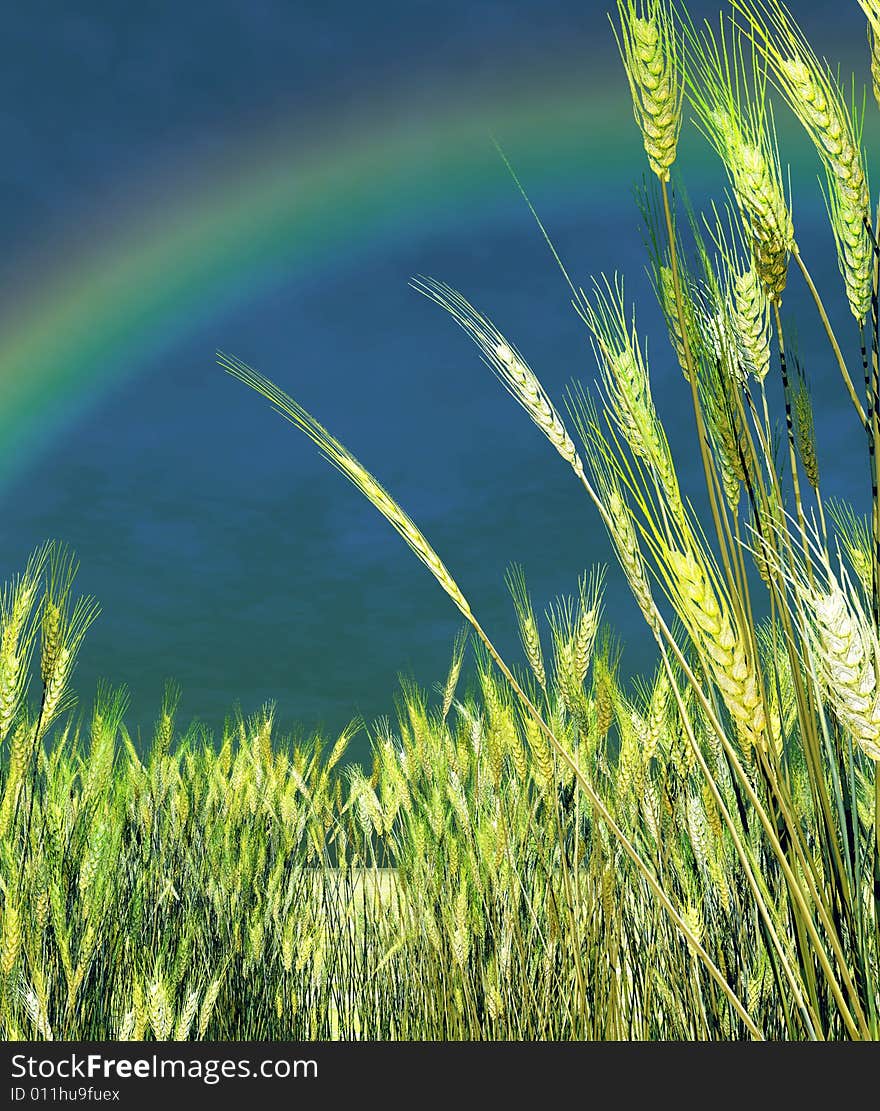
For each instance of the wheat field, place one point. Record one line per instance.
(543, 851)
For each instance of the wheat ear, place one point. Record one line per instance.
(651, 56)
(528, 626)
(848, 653)
(871, 8)
(507, 364)
(733, 113)
(816, 99)
(345, 462)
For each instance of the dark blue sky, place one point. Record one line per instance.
(100, 97)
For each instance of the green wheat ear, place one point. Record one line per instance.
(17, 633)
(626, 381)
(751, 314)
(805, 428)
(508, 365)
(871, 8)
(528, 626)
(729, 98)
(854, 535)
(817, 100)
(357, 474)
(652, 59)
(742, 296)
(664, 283)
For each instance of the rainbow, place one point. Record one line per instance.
(281, 210)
